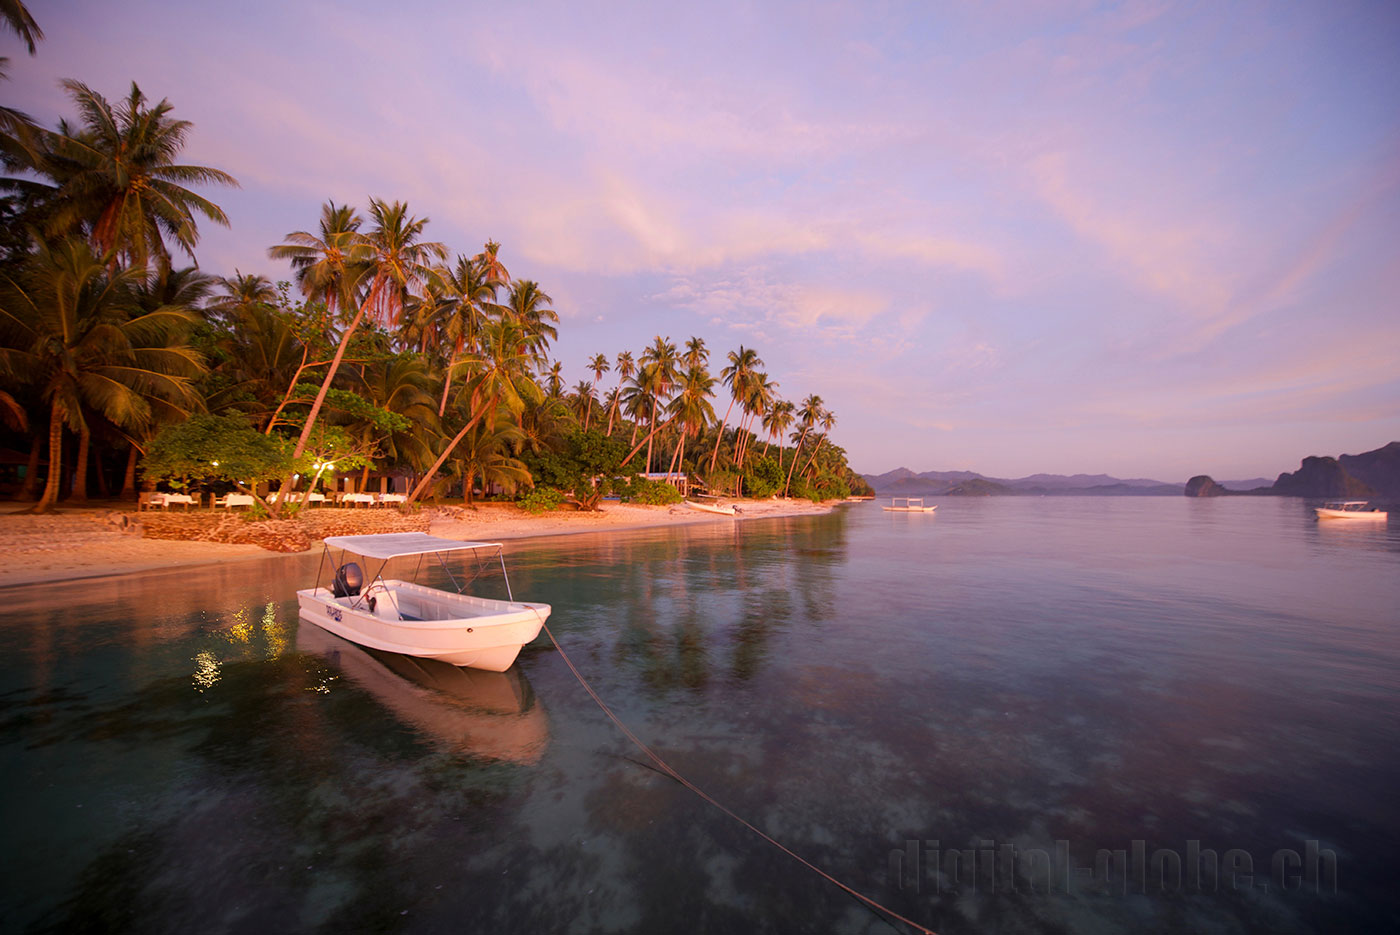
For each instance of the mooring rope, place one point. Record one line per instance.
(667, 769)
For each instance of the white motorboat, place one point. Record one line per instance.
(1349, 509)
(405, 617)
(722, 508)
(909, 505)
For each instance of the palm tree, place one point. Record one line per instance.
(485, 452)
(494, 270)
(115, 178)
(810, 412)
(775, 423)
(390, 258)
(329, 264)
(696, 354)
(584, 398)
(75, 331)
(827, 418)
(16, 17)
(736, 375)
(691, 409)
(659, 367)
(472, 284)
(241, 292)
(610, 402)
(402, 385)
(760, 394)
(501, 381)
(625, 368)
(599, 365)
(529, 305)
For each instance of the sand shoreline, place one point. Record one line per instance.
(84, 542)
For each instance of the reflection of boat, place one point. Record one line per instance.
(489, 714)
(722, 508)
(909, 505)
(403, 617)
(1349, 509)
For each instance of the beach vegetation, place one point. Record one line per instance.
(377, 357)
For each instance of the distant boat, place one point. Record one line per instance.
(1349, 509)
(909, 505)
(720, 508)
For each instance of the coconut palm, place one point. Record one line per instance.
(472, 284)
(554, 381)
(827, 419)
(115, 178)
(658, 373)
(625, 368)
(759, 395)
(16, 17)
(330, 263)
(494, 270)
(610, 402)
(390, 259)
(73, 329)
(501, 381)
(736, 375)
(529, 305)
(808, 415)
(584, 397)
(691, 409)
(241, 291)
(696, 353)
(776, 422)
(485, 452)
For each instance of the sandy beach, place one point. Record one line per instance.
(90, 541)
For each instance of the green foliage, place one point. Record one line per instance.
(349, 404)
(653, 492)
(723, 481)
(225, 448)
(541, 500)
(828, 486)
(585, 465)
(764, 479)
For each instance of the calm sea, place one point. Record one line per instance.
(1015, 715)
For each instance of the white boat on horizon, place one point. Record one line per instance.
(910, 505)
(1349, 509)
(400, 616)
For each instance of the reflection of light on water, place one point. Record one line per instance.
(274, 630)
(206, 670)
(323, 683)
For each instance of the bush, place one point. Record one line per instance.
(764, 480)
(654, 492)
(541, 500)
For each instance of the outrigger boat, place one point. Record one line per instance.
(725, 509)
(404, 617)
(910, 505)
(1349, 509)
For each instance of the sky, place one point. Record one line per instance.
(1143, 238)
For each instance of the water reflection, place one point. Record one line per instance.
(487, 714)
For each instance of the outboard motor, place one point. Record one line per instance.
(348, 580)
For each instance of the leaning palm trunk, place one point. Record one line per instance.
(30, 490)
(129, 478)
(807, 470)
(442, 458)
(797, 452)
(645, 442)
(50, 494)
(720, 436)
(79, 493)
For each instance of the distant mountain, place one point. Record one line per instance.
(1252, 483)
(1364, 476)
(904, 482)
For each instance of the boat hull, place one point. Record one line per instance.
(710, 508)
(1325, 513)
(460, 630)
(909, 509)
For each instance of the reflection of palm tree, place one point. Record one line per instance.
(736, 375)
(116, 178)
(74, 329)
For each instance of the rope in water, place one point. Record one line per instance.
(666, 768)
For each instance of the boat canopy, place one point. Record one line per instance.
(397, 544)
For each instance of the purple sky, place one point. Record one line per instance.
(1147, 239)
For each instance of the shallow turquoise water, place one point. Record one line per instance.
(973, 717)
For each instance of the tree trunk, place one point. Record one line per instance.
(80, 465)
(50, 494)
(446, 385)
(30, 490)
(129, 480)
(442, 458)
(720, 437)
(795, 454)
